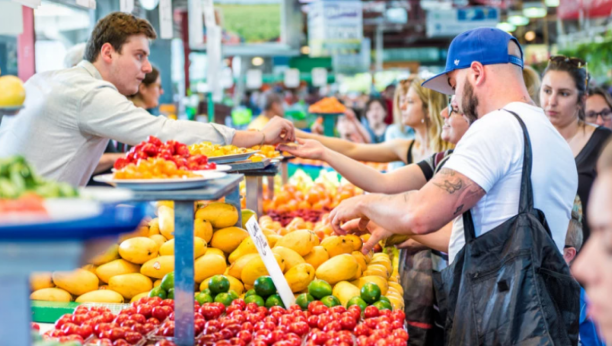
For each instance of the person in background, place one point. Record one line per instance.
(563, 96)
(533, 82)
(605, 158)
(74, 55)
(599, 107)
(398, 129)
(592, 267)
(149, 91)
(273, 106)
(389, 97)
(374, 120)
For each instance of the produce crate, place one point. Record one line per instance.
(49, 312)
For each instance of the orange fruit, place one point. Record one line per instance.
(304, 205)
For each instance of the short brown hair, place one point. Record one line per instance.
(116, 28)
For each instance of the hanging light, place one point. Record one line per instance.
(505, 26)
(257, 61)
(534, 10)
(517, 19)
(530, 35)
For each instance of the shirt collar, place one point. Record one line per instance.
(89, 67)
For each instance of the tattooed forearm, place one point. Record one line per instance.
(448, 181)
(465, 190)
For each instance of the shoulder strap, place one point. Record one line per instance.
(409, 154)
(526, 197)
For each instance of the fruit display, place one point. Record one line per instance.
(327, 105)
(18, 178)
(12, 92)
(152, 169)
(215, 150)
(171, 151)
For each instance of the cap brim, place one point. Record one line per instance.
(439, 83)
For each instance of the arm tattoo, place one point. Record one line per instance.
(467, 191)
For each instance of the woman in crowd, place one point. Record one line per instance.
(398, 129)
(533, 82)
(420, 111)
(563, 96)
(375, 115)
(599, 107)
(149, 91)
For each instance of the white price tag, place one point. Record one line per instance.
(196, 28)
(209, 13)
(292, 78)
(254, 79)
(261, 243)
(126, 6)
(319, 76)
(165, 19)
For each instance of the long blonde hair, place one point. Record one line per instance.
(402, 89)
(433, 104)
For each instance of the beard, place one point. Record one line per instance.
(469, 102)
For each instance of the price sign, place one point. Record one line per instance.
(319, 76)
(165, 19)
(261, 243)
(292, 78)
(254, 79)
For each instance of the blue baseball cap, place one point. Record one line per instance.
(488, 46)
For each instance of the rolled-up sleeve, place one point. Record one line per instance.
(104, 112)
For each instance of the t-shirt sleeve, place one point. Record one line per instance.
(487, 151)
(427, 166)
(106, 113)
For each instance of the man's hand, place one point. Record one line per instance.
(278, 130)
(308, 149)
(361, 226)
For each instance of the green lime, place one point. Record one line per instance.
(274, 300)
(303, 300)
(218, 284)
(233, 294)
(382, 305)
(250, 292)
(158, 292)
(168, 281)
(370, 293)
(255, 299)
(207, 291)
(319, 289)
(330, 301)
(264, 286)
(224, 298)
(385, 299)
(171, 293)
(203, 298)
(357, 301)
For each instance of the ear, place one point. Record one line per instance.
(106, 53)
(477, 73)
(569, 254)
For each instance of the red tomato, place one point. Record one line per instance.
(226, 333)
(240, 303)
(245, 336)
(247, 326)
(85, 331)
(384, 325)
(294, 308)
(132, 337)
(139, 328)
(81, 309)
(300, 318)
(361, 329)
(121, 318)
(344, 337)
(262, 310)
(385, 313)
(338, 309)
(398, 315)
(128, 324)
(371, 311)
(108, 317)
(167, 302)
(161, 312)
(232, 308)
(333, 326)
(70, 328)
(199, 326)
(148, 327)
(348, 322)
(319, 337)
(67, 318)
(121, 342)
(154, 301)
(300, 328)
(168, 330)
(317, 309)
(144, 310)
(35, 326)
(237, 342)
(153, 321)
(279, 309)
(276, 314)
(252, 307)
(324, 320)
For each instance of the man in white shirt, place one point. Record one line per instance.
(484, 69)
(70, 114)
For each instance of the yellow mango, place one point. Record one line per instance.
(90, 268)
(154, 227)
(116, 267)
(138, 250)
(76, 282)
(247, 246)
(317, 256)
(256, 268)
(356, 242)
(51, 295)
(235, 269)
(139, 296)
(130, 285)
(202, 229)
(156, 283)
(199, 248)
(109, 255)
(379, 268)
(40, 280)
(290, 257)
(158, 267)
(166, 221)
(159, 239)
(300, 276)
(301, 241)
(384, 263)
(228, 239)
(211, 251)
(360, 257)
(381, 282)
(207, 266)
(339, 268)
(344, 291)
(220, 215)
(104, 296)
(397, 286)
(273, 239)
(337, 245)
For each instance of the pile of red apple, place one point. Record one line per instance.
(173, 151)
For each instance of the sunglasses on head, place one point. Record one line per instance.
(576, 62)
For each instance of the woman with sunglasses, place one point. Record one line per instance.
(563, 96)
(599, 107)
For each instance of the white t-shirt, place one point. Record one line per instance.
(491, 154)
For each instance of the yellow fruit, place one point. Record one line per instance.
(76, 282)
(337, 245)
(344, 291)
(90, 268)
(256, 268)
(51, 295)
(104, 296)
(154, 227)
(40, 280)
(235, 269)
(202, 229)
(156, 283)
(207, 266)
(235, 284)
(12, 92)
(130, 285)
(317, 256)
(339, 268)
(116, 267)
(199, 248)
(273, 239)
(394, 279)
(139, 296)
(358, 274)
(360, 257)
(393, 290)
(379, 269)
(110, 255)
(397, 286)
(248, 287)
(246, 216)
(397, 303)
(300, 276)
(384, 263)
(138, 250)
(158, 267)
(368, 256)
(381, 282)
(228, 239)
(290, 257)
(220, 215)
(301, 241)
(211, 251)
(159, 239)
(355, 241)
(166, 221)
(247, 246)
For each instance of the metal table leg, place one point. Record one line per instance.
(271, 187)
(254, 197)
(233, 198)
(184, 272)
(284, 166)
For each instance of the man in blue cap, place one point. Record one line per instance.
(484, 177)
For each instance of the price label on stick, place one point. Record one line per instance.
(261, 243)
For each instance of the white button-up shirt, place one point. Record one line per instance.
(70, 115)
